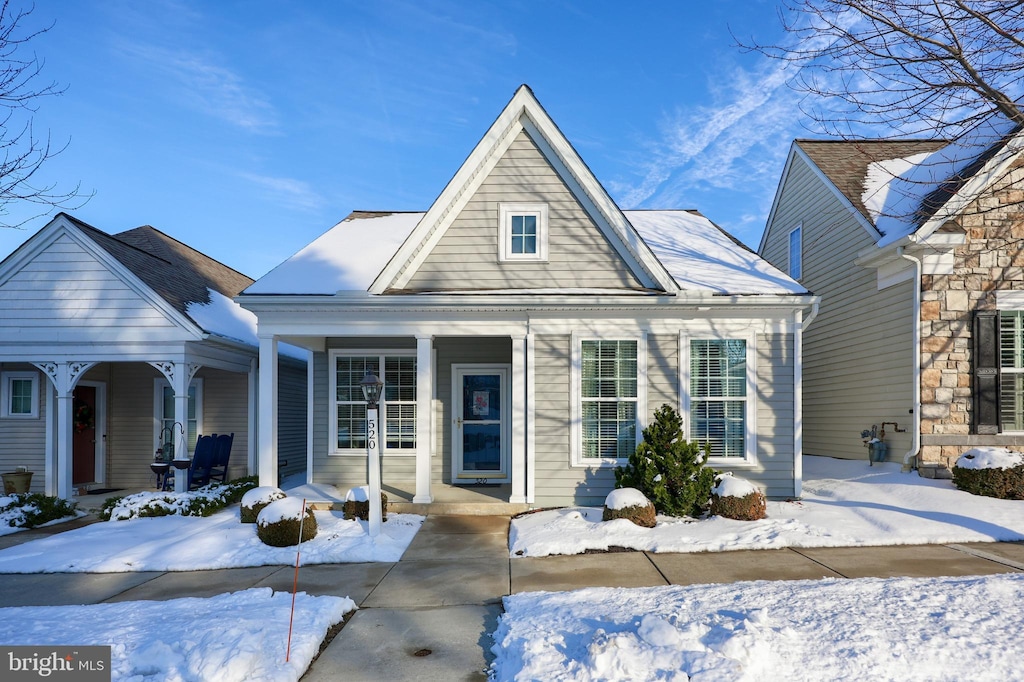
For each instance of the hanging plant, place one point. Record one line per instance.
(84, 418)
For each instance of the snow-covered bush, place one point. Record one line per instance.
(357, 504)
(28, 510)
(201, 502)
(279, 523)
(629, 504)
(992, 472)
(737, 498)
(256, 499)
(668, 469)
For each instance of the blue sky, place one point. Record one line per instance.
(246, 129)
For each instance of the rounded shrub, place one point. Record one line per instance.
(256, 499)
(357, 504)
(992, 472)
(279, 523)
(629, 504)
(737, 498)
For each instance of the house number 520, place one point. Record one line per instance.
(371, 433)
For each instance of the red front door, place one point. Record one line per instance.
(83, 441)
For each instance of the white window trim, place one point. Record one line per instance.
(686, 400)
(789, 251)
(576, 398)
(506, 211)
(6, 379)
(159, 385)
(332, 417)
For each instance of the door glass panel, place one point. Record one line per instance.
(481, 423)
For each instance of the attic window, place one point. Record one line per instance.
(523, 232)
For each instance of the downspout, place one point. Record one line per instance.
(915, 444)
(798, 398)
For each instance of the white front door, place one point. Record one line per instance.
(480, 426)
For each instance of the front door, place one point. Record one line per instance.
(83, 440)
(480, 428)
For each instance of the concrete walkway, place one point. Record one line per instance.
(430, 615)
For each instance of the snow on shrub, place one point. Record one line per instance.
(279, 523)
(357, 504)
(629, 504)
(737, 498)
(256, 499)
(201, 502)
(992, 472)
(28, 510)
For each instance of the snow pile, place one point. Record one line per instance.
(190, 503)
(189, 543)
(727, 485)
(621, 498)
(990, 458)
(869, 629)
(290, 508)
(239, 636)
(264, 494)
(358, 494)
(845, 503)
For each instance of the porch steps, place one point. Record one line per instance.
(442, 508)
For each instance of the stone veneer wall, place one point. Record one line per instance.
(991, 259)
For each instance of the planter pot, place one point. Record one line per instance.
(17, 482)
(159, 467)
(181, 463)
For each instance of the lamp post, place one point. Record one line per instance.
(372, 385)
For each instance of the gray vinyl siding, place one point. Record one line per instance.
(291, 418)
(556, 483)
(66, 288)
(857, 368)
(23, 441)
(774, 416)
(578, 253)
(131, 425)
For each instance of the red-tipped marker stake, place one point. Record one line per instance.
(295, 583)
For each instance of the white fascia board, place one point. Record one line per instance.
(443, 211)
(973, 188)
(778, 196)
(597, 203)
(142, 351)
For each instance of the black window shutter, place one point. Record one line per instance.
(986, 371)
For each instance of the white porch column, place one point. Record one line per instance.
(519, 407)
(531, 418)
(64, 376)
(180, 379)
(266, 456)
(252, 393)
(424, 411)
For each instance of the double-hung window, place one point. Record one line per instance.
(20, 394)
(719, 396)
(1011, 370)
(523, 232)
(796, 253)
(397, 404)
(608, 390)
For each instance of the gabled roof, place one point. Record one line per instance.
(903, 187)
(192, 289)
(696, 253)
(524, 113)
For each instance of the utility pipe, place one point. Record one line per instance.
(915, 443)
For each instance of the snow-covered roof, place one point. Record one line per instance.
(696, 252)
(347, 257)
(701, 256)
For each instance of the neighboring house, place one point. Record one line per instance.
(105, 340)
(915, 249)
(526, 329)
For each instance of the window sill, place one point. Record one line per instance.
(599, 464)
(363, 453)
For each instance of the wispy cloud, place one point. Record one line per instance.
(288, 192)
(202, 83)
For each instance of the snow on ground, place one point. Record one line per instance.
(238, 636)
(869, 629)
(186, 543)
(845, 503)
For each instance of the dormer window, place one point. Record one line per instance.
(523, 232)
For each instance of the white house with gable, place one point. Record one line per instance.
(527, 328)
